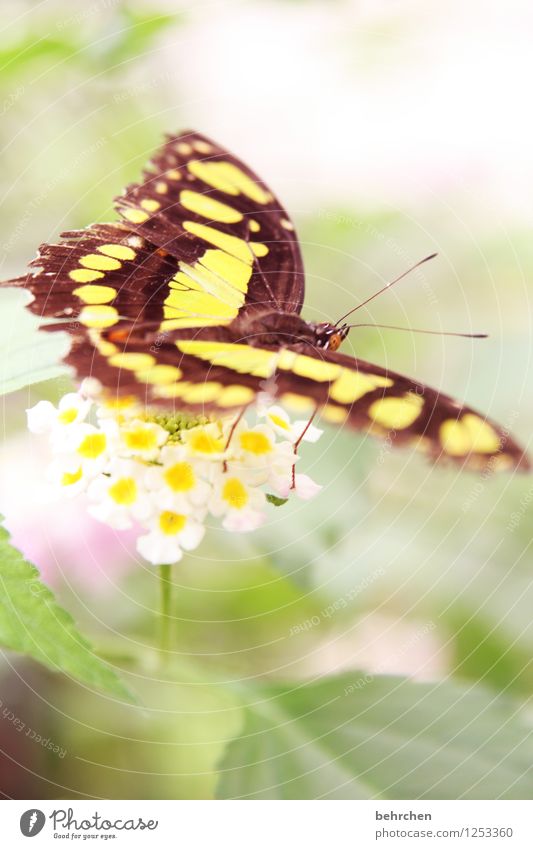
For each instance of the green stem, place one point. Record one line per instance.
(164, 611)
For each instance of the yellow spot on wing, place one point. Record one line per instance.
(259, 249)
(228, 177)
(117, 251)
(150, 204)
(136, 216)
(396, 413)
(310, 367)
(98, 315)
(84, 275)
(231, 244)
(241, 358)
(202, 393)
(469, 434)
(189, 304)
(102, 345)
(335, 415)
(201, 280)
(301, 403)
(202, 146)
(100, 263)
(254, 225)
(95, 294)
(159, 375)
(132, 360)
(352, 385)
(235, 396)
(161, 188)
(184, 148)
(228, 267)
(173, 174)
(208, 208)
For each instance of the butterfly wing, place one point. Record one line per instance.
(368, 398)
(207, 209)
(202, 239)
(346, 392)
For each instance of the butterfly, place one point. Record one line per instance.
(192, 300)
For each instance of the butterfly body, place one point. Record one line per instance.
(192, 301)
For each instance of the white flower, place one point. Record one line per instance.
(67, 475)
(133, 473)
(239, 503)
(176, 483)
(44, 417)
(205, 442)
(83, 445)
(169, 533)
(305, 488)
(141, 439)
(279, 420)
(119, 496)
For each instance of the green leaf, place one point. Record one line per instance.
(276, 500)
(359, 737)
(27, 355)
(34, 624)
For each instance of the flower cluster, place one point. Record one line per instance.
(167, 472)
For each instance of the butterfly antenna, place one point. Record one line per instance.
(388, 286)
(418, 330)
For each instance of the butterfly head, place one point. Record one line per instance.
(329, 336)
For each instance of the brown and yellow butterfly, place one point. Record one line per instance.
(193, 301)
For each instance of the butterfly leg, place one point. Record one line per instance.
(297, 445)
(232, 431)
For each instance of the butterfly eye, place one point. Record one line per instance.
(334, 341)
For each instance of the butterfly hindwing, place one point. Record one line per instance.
(346, 392)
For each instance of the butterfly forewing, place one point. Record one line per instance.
(231, 236)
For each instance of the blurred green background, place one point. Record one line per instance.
(389, 133)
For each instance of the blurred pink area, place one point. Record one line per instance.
(57, 535)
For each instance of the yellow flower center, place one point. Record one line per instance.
(180, 477)
(255, 443)
(171, 523)
(204, 443)
(69, 478)
(123, 491)
(92, 446)
(68, 416)
(140, 438)
(234, 492)
(277, 420)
